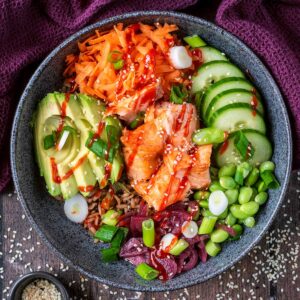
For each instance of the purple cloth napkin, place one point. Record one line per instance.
(272, 29)
(31, 29)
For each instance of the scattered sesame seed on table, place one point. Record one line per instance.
(270, 271)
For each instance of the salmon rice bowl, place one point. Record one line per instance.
(157, 145)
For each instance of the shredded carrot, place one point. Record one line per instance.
(144, 53)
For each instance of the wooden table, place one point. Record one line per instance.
(270, 271)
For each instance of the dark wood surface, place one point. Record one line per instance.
(270, 271)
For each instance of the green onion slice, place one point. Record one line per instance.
(119, 237)
(270, 180)
(114, 56)
(49, 141)
(106, 233)
(119, 64)
(110, 254)
(194, 41)
(243, 145)
(148, 233)
(146, 272)
(70, 129)
(98, 146)
(178, 94)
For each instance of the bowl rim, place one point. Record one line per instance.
(35, 276)
(115, 19)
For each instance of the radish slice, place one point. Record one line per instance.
(168, 241)
(189, 229)
(180, 58)
(76, 208)
(63, 140)
(217, 202)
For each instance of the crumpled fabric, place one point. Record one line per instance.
(271, 28)
(31, 29)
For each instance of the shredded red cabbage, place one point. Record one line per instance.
(133, 247)
(187, 260)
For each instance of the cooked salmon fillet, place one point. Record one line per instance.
(162, 162)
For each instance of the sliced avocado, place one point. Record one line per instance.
(117, 167)
(46, 109)
(68, 186)
(84, 174)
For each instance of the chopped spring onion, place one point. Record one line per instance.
(98, 146)
(217, 202)
(114, 56)
(178, 94)
(111, 217)
(168, 241)
(76, 208)
(49, 141)
(106, 233)
(119, 237)
(109, 254)
(212, 248)
(119, 64)
(243, 145)
(139, 120)
(63, 139)
(180, 58)
(148, 233)
(146, 272)
(69, 128)
(194, 41)
(189, 229)
(242, 171)
(207, 225)
(269, 179)
(180, 246)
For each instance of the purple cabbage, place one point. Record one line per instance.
(136, 260)
(187, 260)
(136, 225)
(133, 247)
(164, 263)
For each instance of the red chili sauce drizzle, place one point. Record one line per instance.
(107, 173)
(224, 147)
(254, 104)
(157, 265)
(87, 188)
(197, 58)
(187, 125)
(56, 178)
(97, 134)
(179, 120)
(146, 97)
(63, 112)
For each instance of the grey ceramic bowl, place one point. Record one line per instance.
(71, 242)
(21, 283)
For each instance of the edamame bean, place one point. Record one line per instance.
(219, 236)
(245, 194)
(235, 209)
(207, 136)
(254, 190)
(261, 198)
(203, 203)
(252, 177)
(227, 170)
(261, 186)
(230, 219)
(227, 182)
(215, 186)
(232, 196)
(249, 222)
(239, 230)
(213, 249)
(250, 208)
(267, 166)
(201, 195)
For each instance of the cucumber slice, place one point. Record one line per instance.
(261, 144)
(230, 97)
(210, 54)
(224, 85)
(237, 116)
(212, 72)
